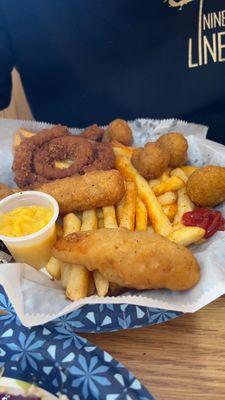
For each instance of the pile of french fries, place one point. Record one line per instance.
(154, 206)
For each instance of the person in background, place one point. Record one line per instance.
(85, 61)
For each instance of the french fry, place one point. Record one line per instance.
(164, 176)
(171, 184)
(100, 218)
(54, 268)
(121, 150)
(71, 224)
(170, 211)
(180, 173)
(101, 284)
(167, 198)
(109, 217)
(128, 211)
(65, 274)
(154, 182)
(159, 220)
(189, 169)
(78, 282)
(187, 235)
(141, 215)
(75, 278)
(89, 220)
(119, 209)
(184, 204)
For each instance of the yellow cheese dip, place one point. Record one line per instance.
(23, 221)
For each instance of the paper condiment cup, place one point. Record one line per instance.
(34, 249)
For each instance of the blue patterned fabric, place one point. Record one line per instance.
(58, 360)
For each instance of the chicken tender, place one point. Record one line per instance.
(151, 161)
(83, 192)
(177, 146)
(206, 186)
(5, 191)
(119, 130)
(137, 260)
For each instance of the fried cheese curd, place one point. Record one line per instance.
(120, 131)
(151, 161)
(206, 186)
(177, 146)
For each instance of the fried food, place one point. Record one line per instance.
(71, 223)
(151, 161)
(93, 132)
(189, 169)
(167, 198)
(109, 217)
(54, 268)
(141, 215)
(206, 186)
(83, 192)
(5, 191)
(187, 235)
(127, 218)
(170, 211)
(121, 150)
(131, 259)
(180, 173)
(184, 204)
(177, 146)
(159, 220)
(36, 158)
(119, 130)
(19, 136)
(172, 183)
(136, 157)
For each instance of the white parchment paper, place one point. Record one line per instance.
(31, 292)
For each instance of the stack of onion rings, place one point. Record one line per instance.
(35, 157)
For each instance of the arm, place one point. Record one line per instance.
(6, 65)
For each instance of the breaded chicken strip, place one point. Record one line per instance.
(83, 192)
(131, 259)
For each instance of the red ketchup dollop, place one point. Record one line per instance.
(210, 220)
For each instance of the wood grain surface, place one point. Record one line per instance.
(181, 359)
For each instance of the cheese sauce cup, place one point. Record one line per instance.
(33, 249)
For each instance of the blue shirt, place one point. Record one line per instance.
(87, 61)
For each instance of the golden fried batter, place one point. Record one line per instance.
(177, 146)
(136, 156)
(83, 192)
(151, 161)
(131, 259)
(119, 130)
(206, 186)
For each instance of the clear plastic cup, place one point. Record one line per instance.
(34, 249)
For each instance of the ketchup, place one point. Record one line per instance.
(210, 220)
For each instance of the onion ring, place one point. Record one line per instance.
(34, 161)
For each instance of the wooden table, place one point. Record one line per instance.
(181, 359)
